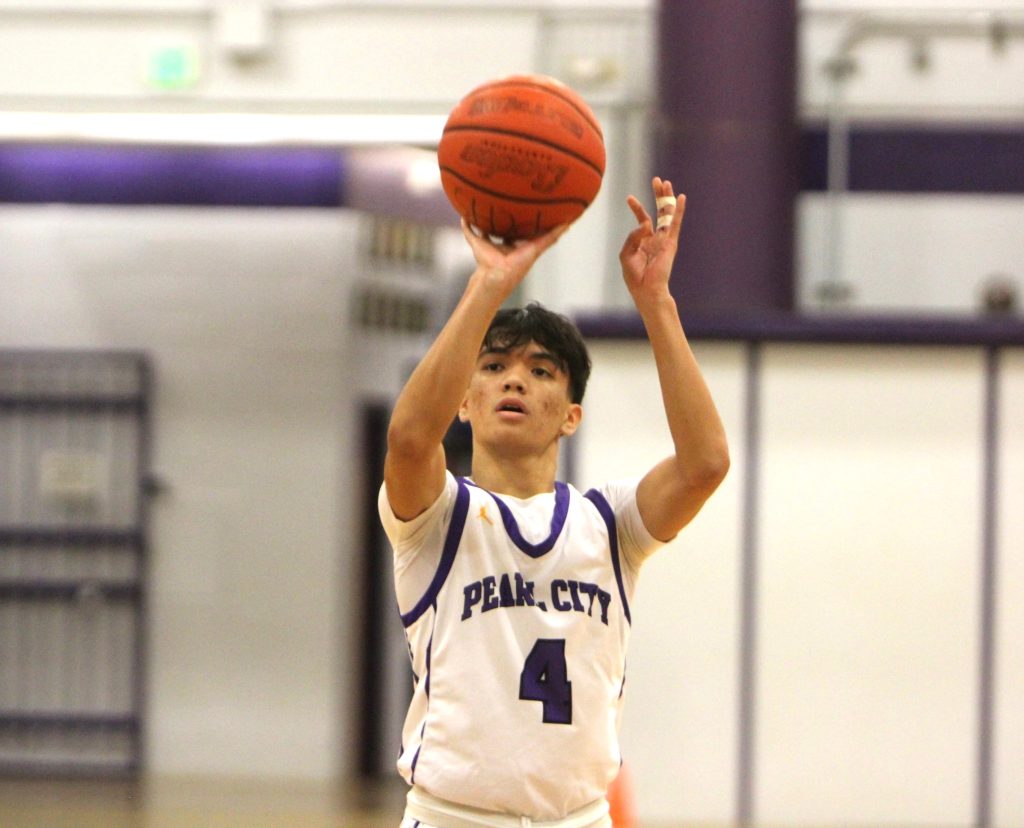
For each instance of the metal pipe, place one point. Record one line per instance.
(832, 291)
(988, 25)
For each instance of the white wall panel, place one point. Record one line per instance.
(679, 732)
(928, 253)
(1008, 750)
(243, 313)
(870, 549)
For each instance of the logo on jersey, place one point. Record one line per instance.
(504, 591)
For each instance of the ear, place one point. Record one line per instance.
(573, 417)
(464, 410)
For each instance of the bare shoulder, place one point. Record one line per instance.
(413, 484)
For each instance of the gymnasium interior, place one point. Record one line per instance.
(223, 247)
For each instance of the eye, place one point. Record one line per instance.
(493, 367)
(542, 372)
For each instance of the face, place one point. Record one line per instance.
(520, 398)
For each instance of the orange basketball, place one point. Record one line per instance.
(521, 155)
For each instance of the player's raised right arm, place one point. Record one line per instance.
(415, 463)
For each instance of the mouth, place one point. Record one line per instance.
(511, 406)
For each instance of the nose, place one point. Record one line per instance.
(513, 379)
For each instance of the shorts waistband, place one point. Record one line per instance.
(434, 811)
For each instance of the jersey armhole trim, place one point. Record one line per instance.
(605, 509)
(451, 545)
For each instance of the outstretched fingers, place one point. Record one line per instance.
(676, 222)
(642, 217)
(475, 236)
(670, 207)
(643, 230)
(651, 234)
(665, 202)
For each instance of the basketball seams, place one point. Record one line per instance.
(543, 87)
(506, 197)
(526, 136)
(538, 226)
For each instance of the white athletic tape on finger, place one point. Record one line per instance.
(664, 221)
(666, 201)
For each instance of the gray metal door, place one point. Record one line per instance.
(73, 467)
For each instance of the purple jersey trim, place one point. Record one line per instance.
(423, 730)
(534, 550)
(416, 757)
(451, 545)
(598, 499)
(430, 645)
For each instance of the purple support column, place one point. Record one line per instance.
(726, 135)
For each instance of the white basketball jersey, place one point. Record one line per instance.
(518, 651)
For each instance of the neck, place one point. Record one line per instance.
(516, 476)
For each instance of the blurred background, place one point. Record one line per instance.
(223, 245)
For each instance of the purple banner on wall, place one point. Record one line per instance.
(921, 158)
(207, 176)
(883, 158)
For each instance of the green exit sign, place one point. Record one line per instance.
(172, 67)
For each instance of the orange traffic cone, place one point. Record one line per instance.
(622, 808)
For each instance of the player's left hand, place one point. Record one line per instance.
(649, 251)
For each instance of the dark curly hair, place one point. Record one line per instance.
(514, 327)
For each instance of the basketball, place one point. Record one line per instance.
(521, 155)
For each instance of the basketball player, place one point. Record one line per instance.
(514, 588)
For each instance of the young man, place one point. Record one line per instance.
(514, 589)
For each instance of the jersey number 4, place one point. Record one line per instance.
(546, 680)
